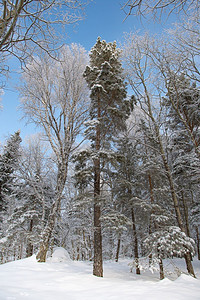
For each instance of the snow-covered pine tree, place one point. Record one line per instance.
(183, 111)
(168, 242)
(184, 105)
(8, 165)
(33, 195)
(108, 112)
(8, 162)
(125, 187)
(151, 186)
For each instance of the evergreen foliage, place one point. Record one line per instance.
(8, 165)
(170, 242)
(108, 112)
(140, 183)
(105, 79)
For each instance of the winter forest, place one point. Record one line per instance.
(114, 171)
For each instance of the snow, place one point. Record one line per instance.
(60, 255)
(71, 280)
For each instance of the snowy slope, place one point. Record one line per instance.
(68, 280)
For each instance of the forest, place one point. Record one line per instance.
(115, 169)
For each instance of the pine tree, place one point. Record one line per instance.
(108, 113)
(168, 242)
(8, 165)
(183, 111)
(125, 186)
(32, 194)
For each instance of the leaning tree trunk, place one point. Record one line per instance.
(175, 201)
(47, 233)
(185, 209)
(198, 246)
(161, 267)
(170, 180)
(169, 176)
(118, 249)
(46, 237)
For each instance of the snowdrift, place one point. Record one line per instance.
(61, 279)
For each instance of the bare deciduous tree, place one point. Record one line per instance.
(55, 97)
(32, 21)
(29, 25)
(145, 80)
(156, 8)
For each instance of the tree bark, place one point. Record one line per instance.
(44, 246)
(98, 261)
(152, 201)
(174, 199)
(47, 233)
(20, 250)
(185, 209)
(29, 249)
(170, 180)
(136, 255)
(198, 246)
(162, 275)
(118, 249)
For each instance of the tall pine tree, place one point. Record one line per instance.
(108, 113)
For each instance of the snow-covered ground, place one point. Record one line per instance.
(62, 279)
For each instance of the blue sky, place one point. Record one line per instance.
(103, 18)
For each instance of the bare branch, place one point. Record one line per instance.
(157, 8)
(28, 25)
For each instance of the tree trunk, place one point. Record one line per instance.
(54, 213)
(152, 201)
(118, 249)
(168, 173)
(175, 200)
(198, 246)
(98, 260)
(162, 275)
(83, 247)
(185, 209)
(73, 250)
(47, 234)
(78, 253)
(20, 250)
(90, 248)
(29, 249)
(136, 255)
